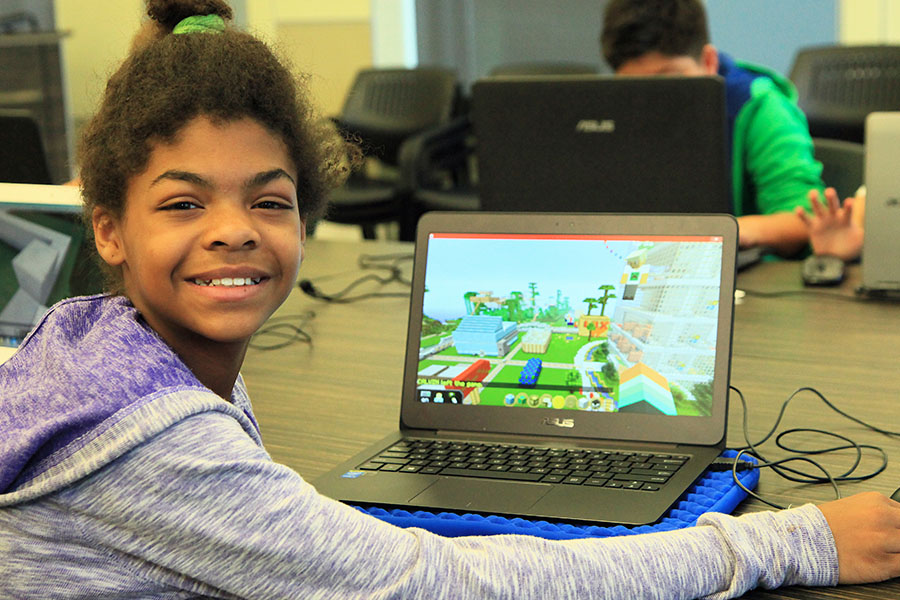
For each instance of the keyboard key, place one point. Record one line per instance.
(666, 466)
(390, 459)
(654, 472)
(595, 482)
(633, 477)
(672, 461)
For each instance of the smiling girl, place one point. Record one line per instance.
(131, 465)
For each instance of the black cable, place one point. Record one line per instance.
(788, 293)
(366, 261)
(793, 474)
(285, 329)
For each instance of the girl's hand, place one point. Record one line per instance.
(866, 529)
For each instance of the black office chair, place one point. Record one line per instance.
(383, 109)
(839, 85)
(22, 156)
(842, 164)
(439, 166)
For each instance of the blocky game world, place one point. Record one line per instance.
(572, 323)
(42, 260)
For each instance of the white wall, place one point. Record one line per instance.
(394, 33)
(869, 21)
(101, 32)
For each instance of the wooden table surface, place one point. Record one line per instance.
(319, 403)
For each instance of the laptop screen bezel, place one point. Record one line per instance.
(581, 424)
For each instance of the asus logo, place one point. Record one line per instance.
(569, 423)
(595, 126)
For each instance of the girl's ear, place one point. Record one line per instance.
(302, 238)
(106, 237)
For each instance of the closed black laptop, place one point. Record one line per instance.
(602, 144)
(558, 366)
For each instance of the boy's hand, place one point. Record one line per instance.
(834, 229)
(866, 529)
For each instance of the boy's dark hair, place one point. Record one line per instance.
(168, 80)
(632, 28)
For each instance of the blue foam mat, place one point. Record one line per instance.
(715, 491)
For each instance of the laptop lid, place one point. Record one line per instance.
(602, 144)
(880, 268)
(599, 326)
(43, 257)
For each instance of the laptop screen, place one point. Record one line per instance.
(43, 257)
(582, 324)
(519, 321)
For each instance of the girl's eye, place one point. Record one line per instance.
(181, 205)
(270, 203)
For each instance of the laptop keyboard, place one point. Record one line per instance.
(605, 468)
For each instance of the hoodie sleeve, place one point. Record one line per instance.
(201, 508)
(778, 152)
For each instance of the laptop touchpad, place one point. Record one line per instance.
(482, 495)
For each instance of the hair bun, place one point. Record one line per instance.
(169, 13)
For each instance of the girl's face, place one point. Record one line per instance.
(211, 239)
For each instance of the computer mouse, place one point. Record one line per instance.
(822, 269)
(896, 495)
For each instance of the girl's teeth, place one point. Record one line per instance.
(228, 281)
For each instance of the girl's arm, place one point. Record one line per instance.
(203, 508)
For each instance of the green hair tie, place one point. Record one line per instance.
(200, 24)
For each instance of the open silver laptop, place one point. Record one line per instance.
(558, 366)
(880, 267)
(42, 257)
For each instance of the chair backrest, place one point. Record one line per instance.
(386, 106)
(842, 164)
(22, 156)
(839, 85)
(544, 68)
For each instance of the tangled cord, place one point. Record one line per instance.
(388, 262)
(283, 331)
(797, 475)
